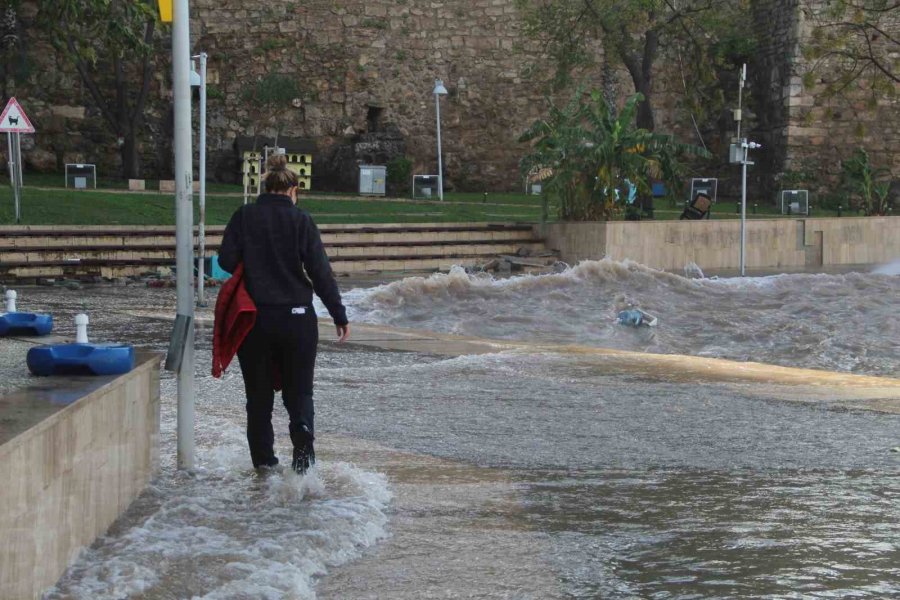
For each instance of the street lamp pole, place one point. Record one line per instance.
(201, 235)
(439, 90)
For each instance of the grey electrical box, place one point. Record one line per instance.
(795, 202)
(372, 180)
(736, 154)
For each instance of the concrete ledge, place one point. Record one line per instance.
(808, 243)
(74, 453)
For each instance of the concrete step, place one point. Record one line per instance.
(111, 269)
(23, 256)
(89, 251)
(69, 238)
(59, 243)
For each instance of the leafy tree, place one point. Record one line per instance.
(399, 171)
(633, 33)
(854, 41)
(867, 185)
(589, 156)
(110, 43)
(269, 96)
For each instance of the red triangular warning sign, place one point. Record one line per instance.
(14, 119)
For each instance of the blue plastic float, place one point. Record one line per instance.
(22, 323)
(81, 359)
(635, 317)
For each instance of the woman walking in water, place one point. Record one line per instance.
(283, 261)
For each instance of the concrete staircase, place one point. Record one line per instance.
(82, 252)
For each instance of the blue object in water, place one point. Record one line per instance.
(22, 323)
(634, 318)
(215, 271)
(81, 359)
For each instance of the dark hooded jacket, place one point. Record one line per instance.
(284, 260)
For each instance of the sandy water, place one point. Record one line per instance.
(839, 322)
(614, 487)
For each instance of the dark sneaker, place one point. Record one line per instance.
(304, 453)
(271, 467)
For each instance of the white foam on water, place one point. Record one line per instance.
(843, 321)
(892, 268)
(226, 532)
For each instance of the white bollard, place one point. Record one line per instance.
(10, 301)
(81, 323)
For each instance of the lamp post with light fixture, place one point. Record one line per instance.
(439, 90)
(199, 80)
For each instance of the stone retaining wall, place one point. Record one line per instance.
(771, 243)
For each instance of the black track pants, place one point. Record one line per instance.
(285, 338)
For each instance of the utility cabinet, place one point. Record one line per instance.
(372, 180)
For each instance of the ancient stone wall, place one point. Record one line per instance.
(770, 80)
(822, 130)
(806, 133)
(367, 67)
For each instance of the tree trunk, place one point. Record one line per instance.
(131, 164)
(639, 64)
(645, 118)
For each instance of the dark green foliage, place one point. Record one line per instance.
(271, 90)
(867, 185)
(399, 172)
(586, 154)
(854, 43)
(702, 36)
(110, 43)
(269, 96)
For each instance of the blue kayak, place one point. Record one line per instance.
(81, 359)
(22, 323)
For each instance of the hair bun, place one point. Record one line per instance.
(276, 162)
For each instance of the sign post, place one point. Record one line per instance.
(13, 122)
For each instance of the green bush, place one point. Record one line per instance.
(867, 185)
(399, 171)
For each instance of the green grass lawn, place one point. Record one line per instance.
(110, 206)
(107, 207)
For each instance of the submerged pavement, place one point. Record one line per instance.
(834, 389)
(507, 469)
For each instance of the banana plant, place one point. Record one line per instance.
(867, 185)
(592, 155)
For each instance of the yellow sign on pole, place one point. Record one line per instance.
(165, 11)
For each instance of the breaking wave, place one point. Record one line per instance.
(842, 322)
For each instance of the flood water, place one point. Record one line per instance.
(838, 322)
(526, 475)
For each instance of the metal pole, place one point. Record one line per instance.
(743, 204)
(743, 78)
(437, 106)
(15, 174)
(184, 226)
(201, 274)
(19, 159)
(12, 173)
